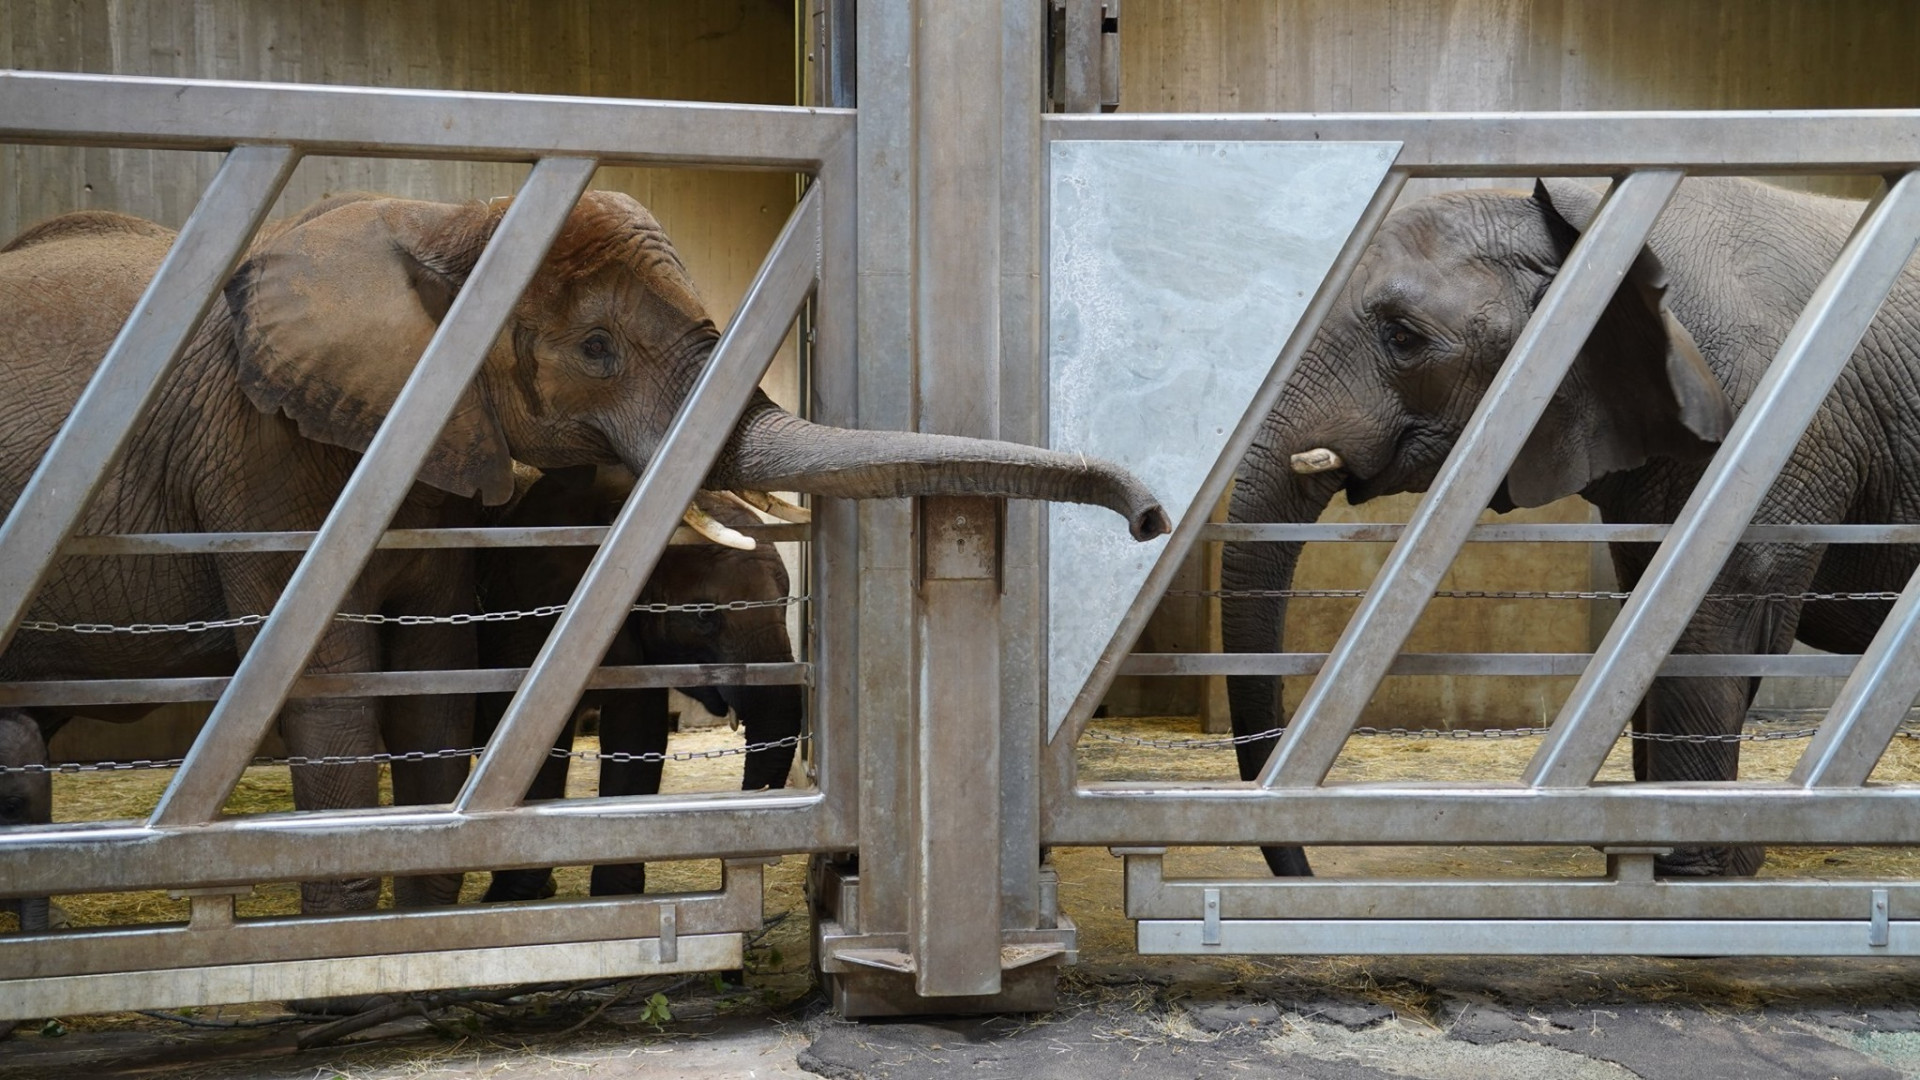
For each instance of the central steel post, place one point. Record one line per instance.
(954, 919)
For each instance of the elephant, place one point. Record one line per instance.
(26, 797)
(259, 424)
(636, 721)
(1410, 347)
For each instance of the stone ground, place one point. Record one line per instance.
(1122, 1015)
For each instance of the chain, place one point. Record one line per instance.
(1907, 731)
(1517, 594)
(415, 755)
(202, 625)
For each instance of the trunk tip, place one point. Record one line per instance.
(1149, 522)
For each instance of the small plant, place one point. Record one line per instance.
(52, 1029)
(657, 1011)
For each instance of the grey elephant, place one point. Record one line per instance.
(636, 721)
(1434, 307)
(26, 796)
(261, 422)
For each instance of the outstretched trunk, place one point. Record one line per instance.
(1257, 624)
(773, 450)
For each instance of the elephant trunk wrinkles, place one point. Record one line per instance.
(773, 450)
(1257, 624)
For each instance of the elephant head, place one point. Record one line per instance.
(331, 310)
(1395, 372)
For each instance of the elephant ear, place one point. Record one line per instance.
(1639, 388)
(331, 313)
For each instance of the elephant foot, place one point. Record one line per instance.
(335, 897)
(619, 879)
(509, 886)
(1287, 861)
(427, 890)
(1738, 861)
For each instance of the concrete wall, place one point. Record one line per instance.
(716, 50)
(1461, 55)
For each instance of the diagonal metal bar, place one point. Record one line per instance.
(1768, 429)
(361, 514)
(1871, 704)
(622, 565)
(103, 420)
(1506, 416)
(1185, 532)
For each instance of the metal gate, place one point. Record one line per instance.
(923, 229)
(186, 844)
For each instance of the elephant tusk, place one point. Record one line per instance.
(773, 506)
(1317, 460)
(703, 523)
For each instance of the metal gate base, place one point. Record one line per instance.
(1627, 912)
(216, 960)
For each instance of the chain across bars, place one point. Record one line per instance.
(462, 619)
(1521, 594)
(418, 755)
(1907, 731)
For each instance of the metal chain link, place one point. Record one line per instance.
(1521, 594)
(416, 755)
(202, 625)
(1908, 730)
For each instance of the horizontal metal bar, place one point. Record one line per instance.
(1623, 814)
(1789, 665)
(1570, 143)
(228, 543)
(1532, 898)
(1527, 937)
(116, 856)
(1576, 532)
(395, 684)
(197, 114)
(375, 933)
(401, 973)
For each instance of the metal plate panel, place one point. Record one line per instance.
(1176, 272)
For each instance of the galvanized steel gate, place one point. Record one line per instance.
(923, 232)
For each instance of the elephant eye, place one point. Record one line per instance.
(1400, 340)
(597, 348)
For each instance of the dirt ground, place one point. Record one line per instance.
(1122, 1014)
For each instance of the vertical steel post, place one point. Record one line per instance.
(954, 920)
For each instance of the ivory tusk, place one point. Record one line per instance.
(703, 523)
(1317, 460)
(775, 506)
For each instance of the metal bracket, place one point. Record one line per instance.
(1632, 865)
(1210, 917)
(1083, 55)
(211, 908)
(1878, 928)
(669, 934)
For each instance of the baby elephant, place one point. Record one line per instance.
(636, 721)
(26, 798)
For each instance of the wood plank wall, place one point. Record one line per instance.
(1460, 55)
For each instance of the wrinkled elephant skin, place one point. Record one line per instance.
(260, 423)
(1432, 311)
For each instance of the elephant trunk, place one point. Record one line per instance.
(34, 914)
(773, 450)
(1257, 624)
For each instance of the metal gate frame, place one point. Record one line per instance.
(1556, 802)
(925, 229)
(184, 845)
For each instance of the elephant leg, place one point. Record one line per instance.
(337, 727)
(536, 882)
(427, 724)
(633, 722)
(1718, 706)
(767, 714)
